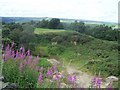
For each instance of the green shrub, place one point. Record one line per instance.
(25, 79)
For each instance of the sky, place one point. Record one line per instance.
(98, 10)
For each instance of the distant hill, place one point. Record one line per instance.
(19, 19)
(27, 19)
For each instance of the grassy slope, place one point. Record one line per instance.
(45, 31)
(94, 56)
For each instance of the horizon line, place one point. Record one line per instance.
(60, 18)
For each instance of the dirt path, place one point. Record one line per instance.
(83, 79)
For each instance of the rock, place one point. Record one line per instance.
(3, 85)
(75, 43)
(54, 61)
(54, 43)
(111, 79)
(10, 86)
(1, 78)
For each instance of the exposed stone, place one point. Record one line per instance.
(10, 86)
(75, 43)
(1, 78)
(3, 85)
(54, 43)
(54, 61)
(111, 79)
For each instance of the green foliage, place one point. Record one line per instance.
(27, 78)
(26, 38)
(41, 51)
(47, 84)
(56, 50)
(44, 31)
(60, 36)
(45, 64)
(21, 34)
(24, 79)
(103, 32)
(44, 23)
(15, 36)
(89, 54)
(54, 23)
(5, 32)
(78, 26)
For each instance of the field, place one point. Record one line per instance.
(45, 31)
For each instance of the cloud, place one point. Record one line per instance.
(106, 10)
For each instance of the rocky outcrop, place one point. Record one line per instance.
(7, 85)
(111, 79)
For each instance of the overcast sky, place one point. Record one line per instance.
(100, 10)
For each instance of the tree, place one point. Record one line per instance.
(14, 36)
(104, 32)
(44, 23)
(54, 23)
(5, 32)
(78, 26)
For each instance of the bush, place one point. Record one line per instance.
(56, 50)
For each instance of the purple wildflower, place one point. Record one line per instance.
(29, 60)
(13, 44)
(8, 54)
(8, 47)
(37, 58)
(41, 69)
(56, 77)
(22, 50)
(25, 62)
(49, 72)
(98, 82)
(17, 54)
(28, 53)
(10, 51)
(13, 54)
(72, 78)
(40, 78)
(30, 57)
(35, 61)
(21, 56)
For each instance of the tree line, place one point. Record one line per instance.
(51, 24)
(99, 31)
